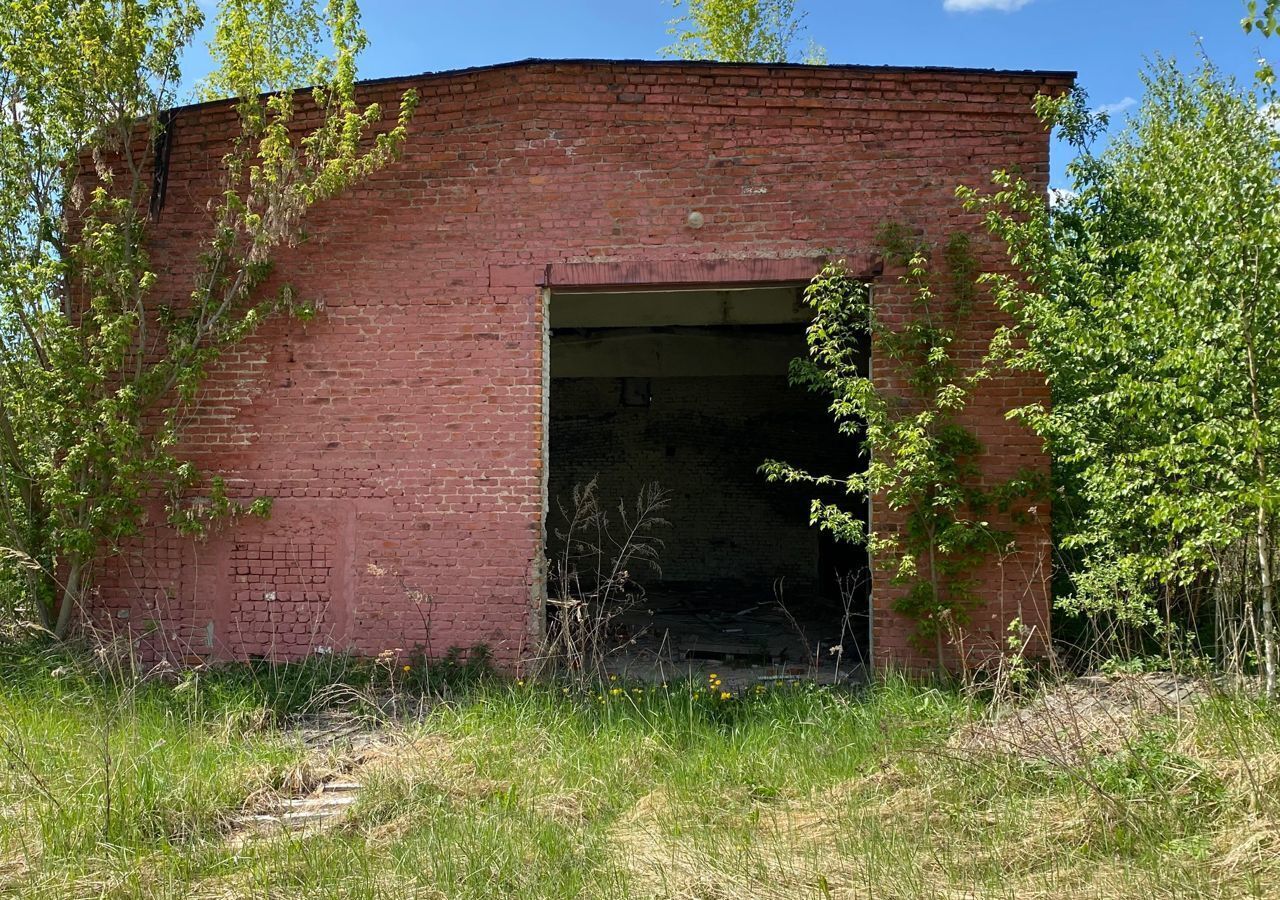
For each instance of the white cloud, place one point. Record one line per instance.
(1059, 196)
(1114, 109)
(965, 6)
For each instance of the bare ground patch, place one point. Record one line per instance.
(1082, 718)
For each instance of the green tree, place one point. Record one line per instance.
(1151, 302)
(284, 52)
(740, 31)
(96, 368)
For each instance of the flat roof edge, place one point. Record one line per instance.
(717, 64)
(532, 62)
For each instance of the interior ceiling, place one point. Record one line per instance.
(699, 333)
(738, 306)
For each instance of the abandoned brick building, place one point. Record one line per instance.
(577, 269)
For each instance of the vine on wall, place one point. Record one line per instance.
(920, 459)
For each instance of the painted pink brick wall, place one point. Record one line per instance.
(401, 431)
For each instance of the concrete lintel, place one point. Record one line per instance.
(680, 273)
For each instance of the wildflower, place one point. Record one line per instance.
(615, 692)
(725, 695)
(407, 668)
(519, 682)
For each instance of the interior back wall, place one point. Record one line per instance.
(703, 440)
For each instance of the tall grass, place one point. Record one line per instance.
(119, 787)
(99, 769)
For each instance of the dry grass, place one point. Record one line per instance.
(525, 792)
(1082, 718)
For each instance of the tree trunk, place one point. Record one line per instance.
(43, 583)
(1260, 534)
(37, 587)
(70, 598)
(1268, 616)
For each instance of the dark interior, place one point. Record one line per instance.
(690, 390)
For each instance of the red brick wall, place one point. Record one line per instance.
(402, 431)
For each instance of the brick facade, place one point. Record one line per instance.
(402, 431)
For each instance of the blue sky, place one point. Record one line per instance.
(1106, 41)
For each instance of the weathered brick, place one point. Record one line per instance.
(402, 428)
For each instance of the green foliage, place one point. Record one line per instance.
(740, 31)
(285, 54)
(1261, 18)
(920, 460)
(1151, 303)
(96, 367)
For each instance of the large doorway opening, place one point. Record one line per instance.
(690, 389)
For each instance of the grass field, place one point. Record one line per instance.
(115, 788)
